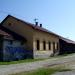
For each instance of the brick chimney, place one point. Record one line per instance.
(36, 23)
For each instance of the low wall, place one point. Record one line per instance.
(42, 54)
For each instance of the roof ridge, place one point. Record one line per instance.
(34, 26)
(38, 28)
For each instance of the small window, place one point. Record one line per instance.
(49, 44)
(38, 45)
(44, 45)
(9, 24)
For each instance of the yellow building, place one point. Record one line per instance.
(41, 41)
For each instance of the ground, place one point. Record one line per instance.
(65, 73)
(21, 67)
(69, 65)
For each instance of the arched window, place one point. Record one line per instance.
(44, 45)
(53, 47)
(38, 44)
(57, 46)
(49, 45)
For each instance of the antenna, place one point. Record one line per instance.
(35, 20)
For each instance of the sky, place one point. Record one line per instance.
(57, 16)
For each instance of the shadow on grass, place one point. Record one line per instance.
(19, 61)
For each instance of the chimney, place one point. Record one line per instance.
(40, 25)
(36, 23)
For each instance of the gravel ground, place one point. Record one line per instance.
(70, 65)
(15, 68)
(65, 73)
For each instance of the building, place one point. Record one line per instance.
(39, 41)
(66, 46)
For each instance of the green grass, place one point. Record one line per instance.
(43, 71)
(33, 60)
(20, 61)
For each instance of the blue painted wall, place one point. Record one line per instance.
(16, 53)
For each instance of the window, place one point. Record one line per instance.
(57, 46)
(53, 47)
(49, 44)
(9, 24)
(44, 45)
(38, 44)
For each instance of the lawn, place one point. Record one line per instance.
(43, 71)
(20, 61)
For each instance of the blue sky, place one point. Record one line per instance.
(55, 15)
